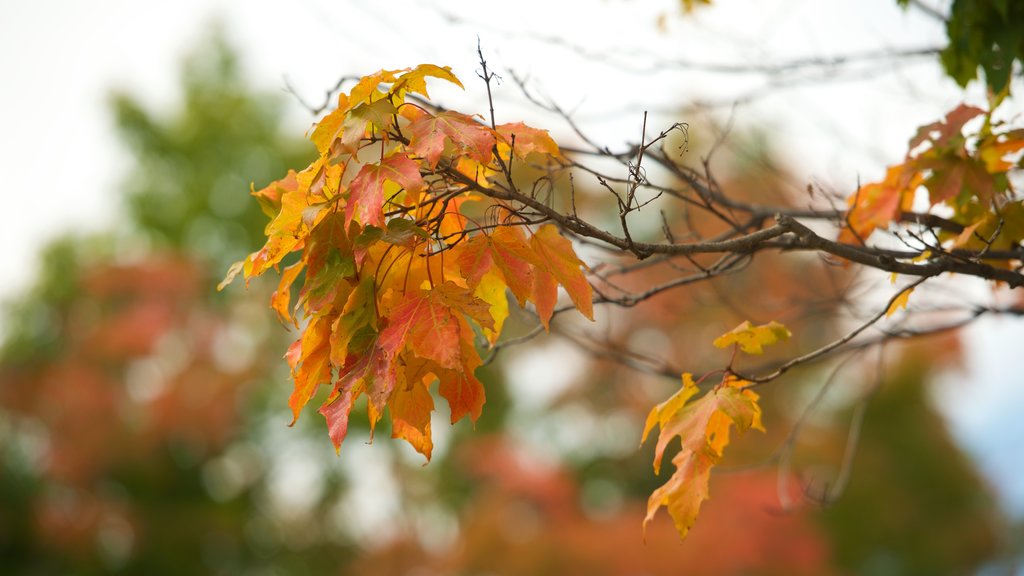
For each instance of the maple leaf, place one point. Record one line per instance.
(507, 249)
(330, 127)
(366, 192)
(876, 205)
(557, 264)
(336, 410)
(269, 197)
(430, 133)
(360, 311)
(329, 262)
(993, 151)
(491, 289)
(943, 132)
(378, 115)
(464, 393)
(752, 338)
(415, 79)
(371, 370)
(523, 140)
(366, 89)
(410, 408)
(428, 321)
(280, 300)
(311, 363)
(286, 232)
(703, 429)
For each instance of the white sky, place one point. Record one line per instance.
(60, 58)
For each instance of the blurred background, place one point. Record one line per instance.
(143, 415)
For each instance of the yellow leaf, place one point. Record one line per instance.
(751, 339)
(491, 290)
(899, 302)
(703, 428)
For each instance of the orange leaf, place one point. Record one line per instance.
(557, 262)
(463, 391)
(506, 247)
(281, 300)
(466, 135)
(314, 366)
(410, 407)
(527, 140)
(876, 205)
(428, 322)
(703, 427)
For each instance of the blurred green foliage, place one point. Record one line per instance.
(986, 34)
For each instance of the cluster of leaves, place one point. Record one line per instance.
(703, 427)
(405, 263)
(966, 179)
(984, 33)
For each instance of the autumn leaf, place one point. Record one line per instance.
(431, 133)
(878, 204)
(428, 321)
(557, 264)
(491, 289)
(329, 128)
(900, 301)
(366, 192)
(314, 366)
(336, 410)
(369, 369)
(378, 116)
(464, 393)
(523, 140)
(703, 429)
(427, 324)
(506, 249)
(942, 133)
(415, 79)
(360, 312)
(269, 197)
(751, 339)
(410, 408)
(366, 90)
(280, 300)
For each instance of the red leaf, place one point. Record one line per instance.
(366, 193)
(466, 135)
(336, 411)
(372, 370)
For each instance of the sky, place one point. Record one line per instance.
(606, 60)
